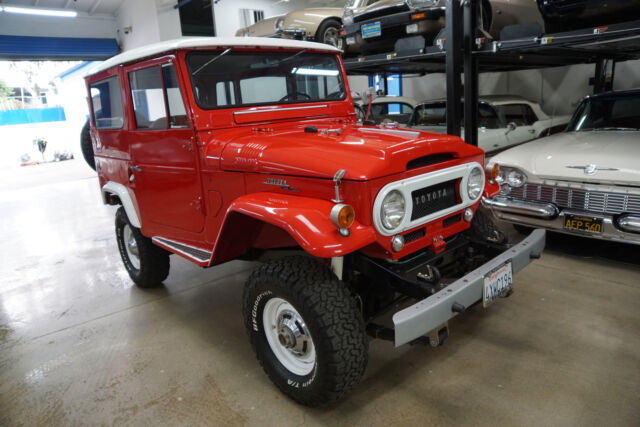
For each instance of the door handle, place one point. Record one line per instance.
(532, 131)
(136, 168)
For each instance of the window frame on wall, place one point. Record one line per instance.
(189, 26)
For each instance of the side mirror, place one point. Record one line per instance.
(510, 128)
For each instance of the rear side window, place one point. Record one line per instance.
(106, 103)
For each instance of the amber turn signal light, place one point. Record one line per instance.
(495, 171)
(342, 216)
(417, 16)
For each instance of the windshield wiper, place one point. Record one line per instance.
(211, 61)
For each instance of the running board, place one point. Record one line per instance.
(197, 254)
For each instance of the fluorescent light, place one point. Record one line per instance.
(42, 12)
(314, 72)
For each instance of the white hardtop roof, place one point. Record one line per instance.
(394, 99)
(214, 42)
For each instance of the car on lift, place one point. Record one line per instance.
(377, 27)
(567, 15)
(268, 163)
(503, 121)
(583, 181)
(321, 24)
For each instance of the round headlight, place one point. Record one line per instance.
(515, 178)
(393, 210)
(347, 17)
(475, 183)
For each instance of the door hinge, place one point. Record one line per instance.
(188, 146)
(197, 203)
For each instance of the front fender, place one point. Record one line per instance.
(306, 220)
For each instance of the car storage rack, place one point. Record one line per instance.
(618, 42)
(461, 52)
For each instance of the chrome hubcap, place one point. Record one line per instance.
(332, 36)
(131, 246)
(288, 336)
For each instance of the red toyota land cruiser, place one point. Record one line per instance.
(220, 149)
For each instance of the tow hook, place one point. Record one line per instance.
(439, 335)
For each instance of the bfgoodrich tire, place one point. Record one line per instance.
(306, 329)
(146, 263)
(86, 146)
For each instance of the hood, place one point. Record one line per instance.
(616, 155)
(366, 152)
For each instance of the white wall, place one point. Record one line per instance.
(142, 17)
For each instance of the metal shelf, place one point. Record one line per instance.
(618, 42)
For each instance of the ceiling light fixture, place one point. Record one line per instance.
(41, 12)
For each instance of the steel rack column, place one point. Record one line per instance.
(471, 11)
(453, 44)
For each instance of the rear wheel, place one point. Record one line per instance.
(146, 263)
(306, 329)
(329, 33)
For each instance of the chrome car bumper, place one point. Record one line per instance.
(426, 315)
(619, 228)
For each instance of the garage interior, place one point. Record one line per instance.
(81, 344)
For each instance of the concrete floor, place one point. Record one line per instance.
(79, 345)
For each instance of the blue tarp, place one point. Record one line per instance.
(32, 115)
(42, 48)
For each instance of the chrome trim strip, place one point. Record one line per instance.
(399, 132)
(175, 246)
(540, 210)
(269, 110)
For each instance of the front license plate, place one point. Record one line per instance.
(497, 283)
(371, 30)
(583, 223)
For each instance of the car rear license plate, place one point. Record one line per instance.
(371, 30)
(583, 223)
(497, 283)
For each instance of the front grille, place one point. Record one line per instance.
(383, 11)
(582, 200)
(415, 235)
(433, 199)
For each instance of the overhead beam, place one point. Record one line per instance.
(96, 3)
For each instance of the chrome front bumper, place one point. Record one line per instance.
(547, 215)
(426, 315)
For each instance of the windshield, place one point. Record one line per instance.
(435, 114)
(226, 79)
(387, 112)
(614, 112)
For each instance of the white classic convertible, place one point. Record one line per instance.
(583, 181)
(503, 121)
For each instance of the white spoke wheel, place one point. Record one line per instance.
(305, 328)
(131, 247)
(146, 263)
(288, 336)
